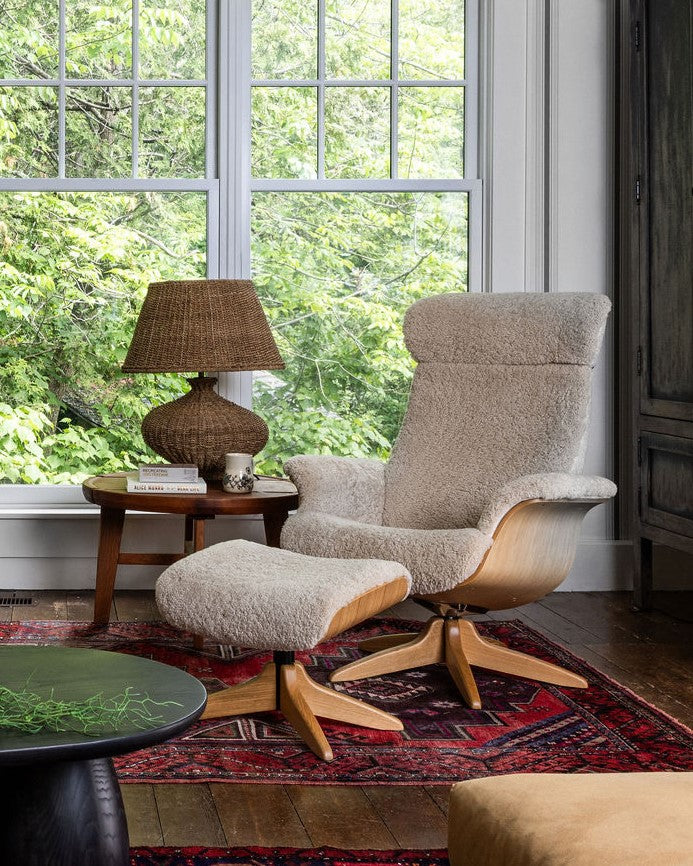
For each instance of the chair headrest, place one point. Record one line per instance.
(514, 328)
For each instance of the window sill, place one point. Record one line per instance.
(36, 500)
(16, 511)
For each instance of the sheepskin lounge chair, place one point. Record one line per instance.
(482, 499)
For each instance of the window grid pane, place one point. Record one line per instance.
(335, 273)
(98, 131)
(79, 265)
(328, 10)
(78, 76)
(32, 53)
(98, 39)
(28, 114)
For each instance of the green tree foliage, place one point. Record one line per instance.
(73, 271)
(335, 271)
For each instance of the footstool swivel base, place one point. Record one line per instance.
(284, 685)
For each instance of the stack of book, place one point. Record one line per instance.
(167, 478)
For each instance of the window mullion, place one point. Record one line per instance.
(321, 89)
(61, 89)
(211, 91)
(394, 89)
(135, 87)
(233, 137)
(471, 91)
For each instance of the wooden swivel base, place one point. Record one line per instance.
(457, 643)
(284, 685)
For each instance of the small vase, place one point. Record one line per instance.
(238, 477)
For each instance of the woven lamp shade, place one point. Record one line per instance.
(190, 325)
(201, 325)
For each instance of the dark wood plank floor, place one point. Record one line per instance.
(651, 653)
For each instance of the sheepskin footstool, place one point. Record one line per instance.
(249, 595)
(547, 819)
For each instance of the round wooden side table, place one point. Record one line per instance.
(59, 796)
(109, 492)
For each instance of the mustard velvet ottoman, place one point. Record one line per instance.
(605, 819)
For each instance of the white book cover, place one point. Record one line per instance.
(136, 486)
(168, 472)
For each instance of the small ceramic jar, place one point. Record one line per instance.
(238, 475)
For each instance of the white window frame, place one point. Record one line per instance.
(228, 182)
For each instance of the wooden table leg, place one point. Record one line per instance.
(110, 533)
(273, 527)
(194, 533)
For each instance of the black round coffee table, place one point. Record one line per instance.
(60, 803)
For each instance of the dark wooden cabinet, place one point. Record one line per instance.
(655, 276)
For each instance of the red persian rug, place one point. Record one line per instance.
(523, 726)
(282, 857)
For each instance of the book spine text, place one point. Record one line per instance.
(135, 486)
(168, 473)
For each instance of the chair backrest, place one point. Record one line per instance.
(502, 389)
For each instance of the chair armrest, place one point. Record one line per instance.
(349, 487)
(544, 485)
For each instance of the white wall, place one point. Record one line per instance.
(549, 200)
(546, 157)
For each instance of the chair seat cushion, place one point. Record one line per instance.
(610, 819)
(438, 559)
(250, 595)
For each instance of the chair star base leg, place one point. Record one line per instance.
(456, 642)
(257, 695)
(495, 656)
(425, 648)
(385, 641)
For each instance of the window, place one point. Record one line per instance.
(364, 199)
(325, 148)
(106, 184)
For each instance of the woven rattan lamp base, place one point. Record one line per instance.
(201, 427)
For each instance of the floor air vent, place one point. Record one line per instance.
(9, 600)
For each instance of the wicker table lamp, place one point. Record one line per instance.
(188, 325)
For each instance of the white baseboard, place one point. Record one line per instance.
(600, 566)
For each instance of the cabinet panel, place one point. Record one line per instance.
(667, 340)
(667, 482)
